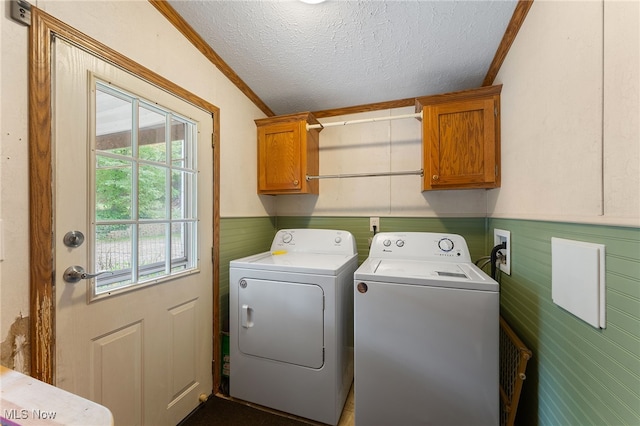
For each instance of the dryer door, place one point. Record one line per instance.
(281, 321)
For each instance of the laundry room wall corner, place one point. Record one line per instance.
(240, 237)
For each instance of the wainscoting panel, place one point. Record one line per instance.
(578, 374)
(240, 237)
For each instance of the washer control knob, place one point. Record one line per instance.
(400, 243)
(386, 243)
(445, 244)
(338, 240)
(287, 237)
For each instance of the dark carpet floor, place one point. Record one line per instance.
(221, 411)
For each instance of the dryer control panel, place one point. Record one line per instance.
(421, 246)
(328, 241)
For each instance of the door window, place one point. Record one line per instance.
(145, 186)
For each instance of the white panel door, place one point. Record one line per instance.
(133, 173)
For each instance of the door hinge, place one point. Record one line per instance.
(496, 170)
(213, 257)
(495, 111)
(213, 140)
(21, 11)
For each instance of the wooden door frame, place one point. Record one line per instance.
(42, 239)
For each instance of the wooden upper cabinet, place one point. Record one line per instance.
(287, 153)
(461, 139)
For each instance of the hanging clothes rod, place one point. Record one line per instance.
(354, 175)
(364, 120)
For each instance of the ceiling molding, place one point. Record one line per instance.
(365, 108)
(520, 12)
(181, 25)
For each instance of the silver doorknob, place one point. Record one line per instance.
(75, 273)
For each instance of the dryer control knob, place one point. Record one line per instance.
(400, 243)
(386, 243)
(286, 237)
(338, 240)
(445, 244)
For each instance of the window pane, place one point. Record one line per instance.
(178, 240)
(181, 184)
(152, 250)
(152, 188)
(182, 239)
(113, 252)
(178, 146)
(152, 136)
(113, 188)
(114, 123)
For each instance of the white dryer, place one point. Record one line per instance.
(291, 324)
(426, 334)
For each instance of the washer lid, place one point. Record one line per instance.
(435, 274)
(307, 263)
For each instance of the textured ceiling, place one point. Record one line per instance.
(300, 57)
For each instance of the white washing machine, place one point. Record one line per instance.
(426, 334)
(291, 324)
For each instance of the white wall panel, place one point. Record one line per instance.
(14, 178)
(381, 146)
(551, 117)
(622, 110)
(570, 138)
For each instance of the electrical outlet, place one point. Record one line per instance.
(374, 221)
(502, 236)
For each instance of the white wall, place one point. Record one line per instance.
(138, 31)
(14, 194)
(621, 109)
(570, 140)
(382, 146)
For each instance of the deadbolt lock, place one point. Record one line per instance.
(73, 239)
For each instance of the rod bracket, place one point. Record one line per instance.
(21, 12)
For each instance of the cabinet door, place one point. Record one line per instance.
(279, 160)
(460, 151)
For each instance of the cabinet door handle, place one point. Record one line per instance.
(435, 177)
(296, 182)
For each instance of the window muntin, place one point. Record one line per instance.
(145, 186)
